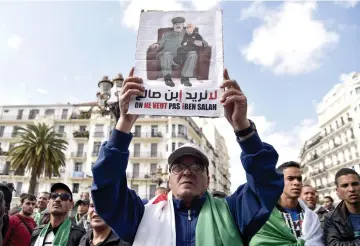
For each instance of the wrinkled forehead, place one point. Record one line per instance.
(348, 179)
(308, 189)
(44, 195)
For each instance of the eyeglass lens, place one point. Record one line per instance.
(63, 196)
(194, 168)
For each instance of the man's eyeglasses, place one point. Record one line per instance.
(63, 196)
(194, 168)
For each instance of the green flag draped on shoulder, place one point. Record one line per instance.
(214, 227)
(275, 232)
(61, 237)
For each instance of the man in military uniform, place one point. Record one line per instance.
(168, 45)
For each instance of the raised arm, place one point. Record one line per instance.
(119, 206)
(253, 202)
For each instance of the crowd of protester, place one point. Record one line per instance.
(274, 207)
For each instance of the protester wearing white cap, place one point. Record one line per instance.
(188, 214)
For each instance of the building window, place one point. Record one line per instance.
(181, 130)
(153, 168)
(61, 129)
(137, 150)
(152, 190)
(64, 114)
(136, 169)
(2, 129)
(33, 114)
(75, 188)
(153, 150)
(99, 128)
(15, 131)
(78, 167)
(18, 188)
(154, 131)
(20, 114)
(357, 90)
(82, 128)
(173, 131)
(173, 146)
(6, 168)
(135, 187)
(180, 144)
(137, 131)
(80, 149)
(96, 148)
(49, 112)
(99, 131)
(11, 146)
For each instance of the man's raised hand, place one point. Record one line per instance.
(132, 86)
(235, 103)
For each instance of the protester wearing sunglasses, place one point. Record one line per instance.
(60, 230)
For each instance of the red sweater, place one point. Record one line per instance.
(18, 234)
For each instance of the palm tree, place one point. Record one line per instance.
(39, 150)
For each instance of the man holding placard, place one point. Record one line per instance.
(188, 214)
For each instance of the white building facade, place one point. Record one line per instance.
(85, 129)
(337, 143)
(221, 169)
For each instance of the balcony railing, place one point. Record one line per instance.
(61, 134)
(98, 134)
(78, 154)
(81, 134)
(147, 134)
(139, 175)
(78, 174)
(81, 116)
(3, 153)
(146, 154)
(95, 154)
(179, 135)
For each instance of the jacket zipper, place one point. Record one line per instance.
(189, 214)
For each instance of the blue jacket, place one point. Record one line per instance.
(122, 209)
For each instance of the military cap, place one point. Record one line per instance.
(178, 20)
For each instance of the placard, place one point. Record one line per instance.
(179, 56)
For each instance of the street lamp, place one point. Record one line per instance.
(103, 96)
